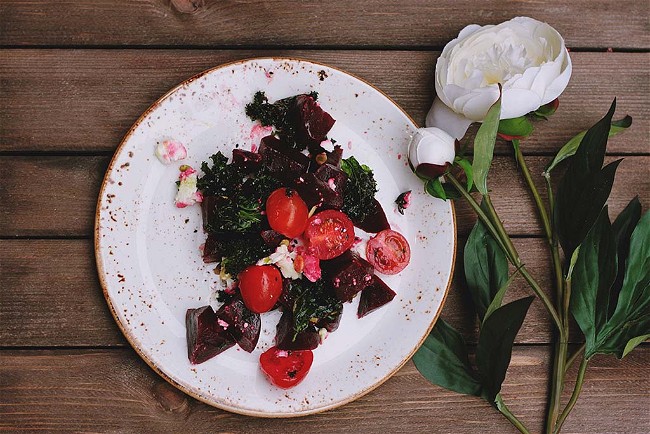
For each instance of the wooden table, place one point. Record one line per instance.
(74, 75)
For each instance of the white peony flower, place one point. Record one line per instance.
(431, 151)
(527, 57)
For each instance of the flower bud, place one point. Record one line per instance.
(431, 152)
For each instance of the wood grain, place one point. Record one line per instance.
(66, 188)
(412, 23)
(85, 100)
(100, 390)
(51, 296)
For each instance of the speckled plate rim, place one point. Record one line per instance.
(131, 340)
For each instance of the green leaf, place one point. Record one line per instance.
(495, 342)
(469, 173)
(592, 277)
(570, 148)
(632, 315)
(622, 228)
(585, 187)
(486, 267)
(434, 188)
(547, 109)
(498, 297)
(484, 146)
(516, 127)
(633, 343)
(443, 360)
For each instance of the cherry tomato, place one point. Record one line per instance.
(260, 287)
(286, 368)
(287, 212)
(388, 252)
(329, 234)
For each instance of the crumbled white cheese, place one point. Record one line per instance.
(169, 151)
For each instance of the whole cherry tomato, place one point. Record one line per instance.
(388, 252)
(329, 234)
(286, 368)
(260, 287)
(287, 212)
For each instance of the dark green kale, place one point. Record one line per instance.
(243, 252)
(240, 196)
(279, 115)
(313, 303)
(360, 189)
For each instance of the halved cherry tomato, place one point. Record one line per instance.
(287, 212)
(286, 368)
(260, 287)
(388, 252)
(329, 234)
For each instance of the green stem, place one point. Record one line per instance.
(574, 396)
(501, 406)
(496, 229)
(560, 361)
(543, 215)
(573, 358)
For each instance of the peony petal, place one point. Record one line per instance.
(518, 102)
(441, 116)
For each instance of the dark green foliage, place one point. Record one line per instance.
(360, 189)
(243, 252)
(313, 302)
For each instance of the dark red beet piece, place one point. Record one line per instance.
(283, 163)
(374, 296)
(375, 221)
(313, 122)
(305, 340)
(205, 337)
(243, 325)
(348, 275)
(272, 238)
(334, 157)
(331, 325)
(248, 161)
(317, 193)
(208, 206)
(332, 176)
(212, 250)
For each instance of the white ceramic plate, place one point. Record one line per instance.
(148, 250)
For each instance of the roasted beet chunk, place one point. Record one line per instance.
(374, 296)
(317, 193)
(248, 161)
(313, 122)
(281, 161)
(212, 250)
(284, 338)
(375, 221)
(271, 238)
(208, 208)
(349, 274)
(243, 325)
(334, 177)
(205, 336)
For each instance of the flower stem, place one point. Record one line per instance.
(574, 357)
(501, 406)
(496, 229)
(574, 396)
(560, 360)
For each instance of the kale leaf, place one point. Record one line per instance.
(243, 252)
(314, 303)
(360, 189)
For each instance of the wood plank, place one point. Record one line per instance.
(85, 100)
(67, 187)
(72, 391)
(413, 23)
(51, 296)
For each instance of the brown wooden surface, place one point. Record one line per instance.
(90, 98)
(584, 23)
(74, 76)
(113, 390)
